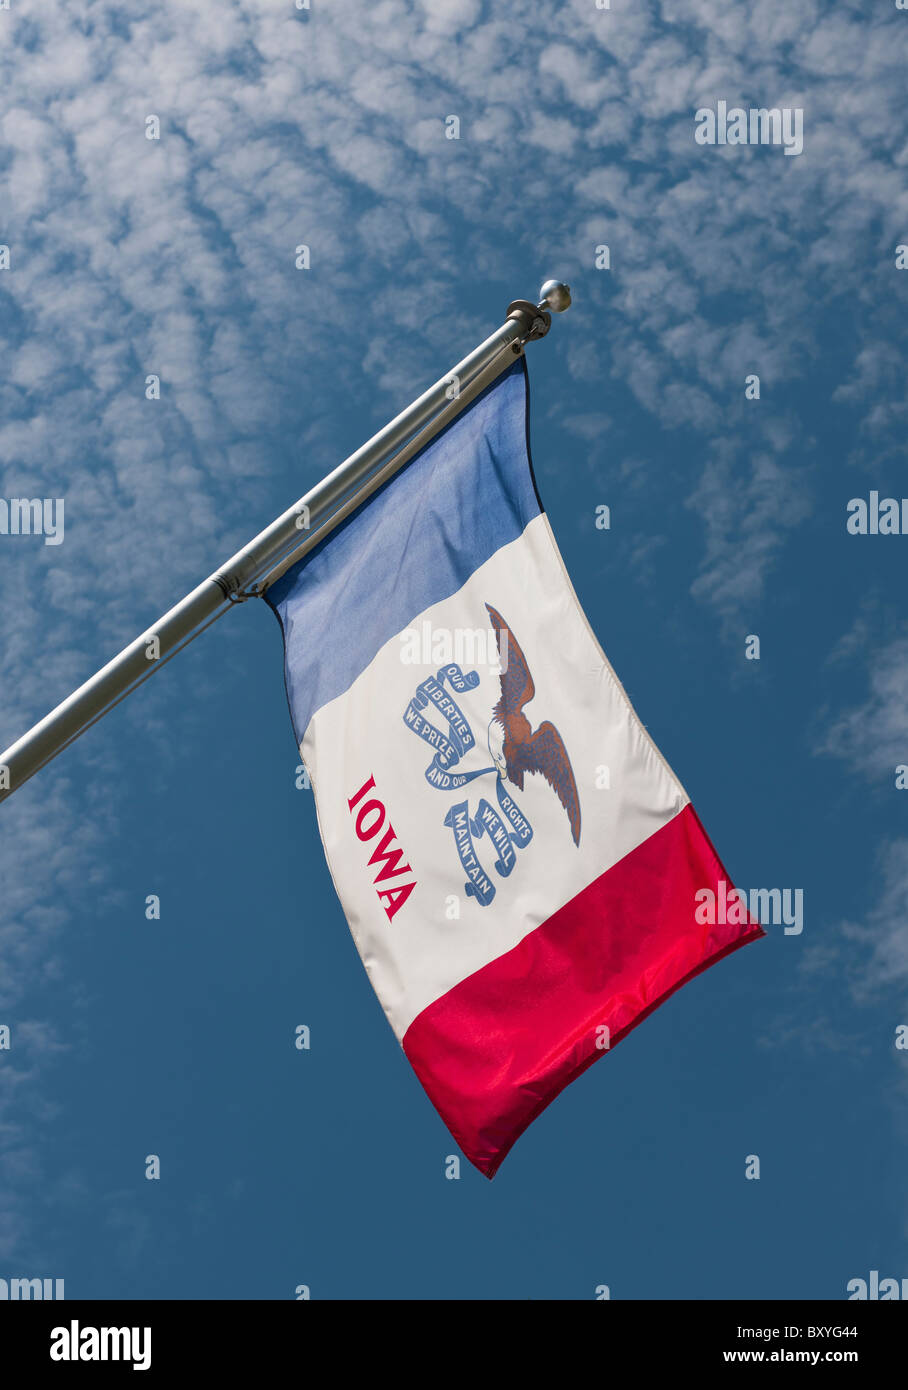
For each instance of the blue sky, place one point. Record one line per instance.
(176, 257)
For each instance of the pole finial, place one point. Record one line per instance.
(556, 296)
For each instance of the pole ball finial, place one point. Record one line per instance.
(555, 295)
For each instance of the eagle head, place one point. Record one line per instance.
(496, 737)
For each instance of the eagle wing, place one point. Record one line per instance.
(545, 753)
(517, 687)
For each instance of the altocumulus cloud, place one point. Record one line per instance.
(175, 257)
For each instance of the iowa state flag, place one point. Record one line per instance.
(517, 862)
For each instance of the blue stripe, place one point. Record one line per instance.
(415, 542)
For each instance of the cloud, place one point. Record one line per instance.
(325, 127)
(873, 736)
(746, 519)
(882, 932)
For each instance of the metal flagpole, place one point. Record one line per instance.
(251, 570)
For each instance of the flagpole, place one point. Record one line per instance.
(249, 572)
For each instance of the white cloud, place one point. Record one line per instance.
(326, 127)
(873, 736)
(882, 932)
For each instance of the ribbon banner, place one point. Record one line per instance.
(459, 740)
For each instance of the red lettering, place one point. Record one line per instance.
(361, 793)
(396, 897)
(373, 828)
(389, 868)
(387, 853)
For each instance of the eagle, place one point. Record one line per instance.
(515, 748)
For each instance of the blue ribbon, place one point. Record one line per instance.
(478, 885)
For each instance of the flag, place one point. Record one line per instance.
(523, 874)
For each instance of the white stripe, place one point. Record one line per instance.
(422, 953)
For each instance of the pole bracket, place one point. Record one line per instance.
(233, 594)
(535, 321)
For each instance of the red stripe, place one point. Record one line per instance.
(497, 1048)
